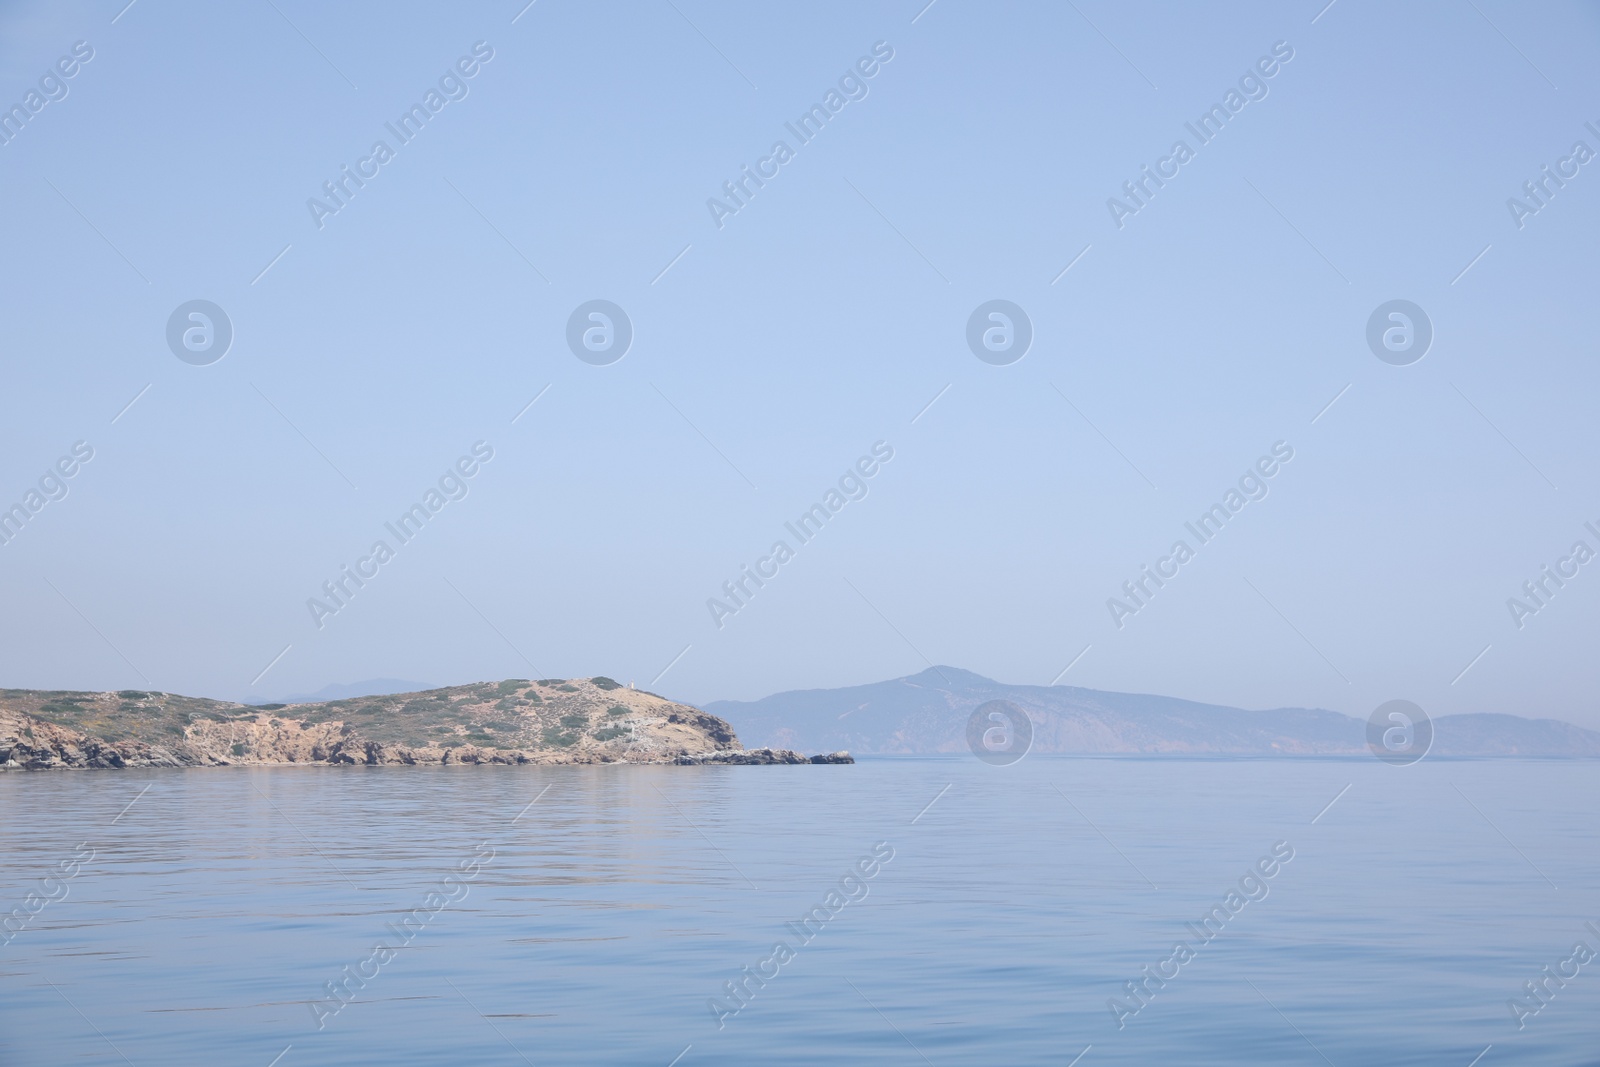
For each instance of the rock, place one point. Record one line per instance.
(759, 757)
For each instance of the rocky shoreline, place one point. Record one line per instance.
(93, 754)
(761, 757)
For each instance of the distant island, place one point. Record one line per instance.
(517, 721)
(926, 714)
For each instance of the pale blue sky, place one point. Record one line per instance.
(820, 319)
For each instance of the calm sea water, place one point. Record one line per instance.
(601, 921)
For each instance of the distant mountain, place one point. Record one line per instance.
(927, 713)
(1511, 735)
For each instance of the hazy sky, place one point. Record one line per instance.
(774, 346)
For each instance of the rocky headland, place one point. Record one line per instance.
(517, 721)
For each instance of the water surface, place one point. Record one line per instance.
(604, 919)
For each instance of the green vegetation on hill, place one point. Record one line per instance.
(512, 714)
(126, 715)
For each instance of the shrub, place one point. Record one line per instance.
(602, 682)
(610, 732)
(238, 750)
(511, 685)
(616, 710)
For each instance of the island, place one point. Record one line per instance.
(516, 721)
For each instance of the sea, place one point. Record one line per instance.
(1063, 911)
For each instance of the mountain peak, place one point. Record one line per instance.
(946, 677)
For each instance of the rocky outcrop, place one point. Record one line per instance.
(552, 721)
(32, 744)
(761, 757)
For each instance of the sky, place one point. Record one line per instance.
(783, 340)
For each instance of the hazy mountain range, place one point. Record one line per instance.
(927, 713)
